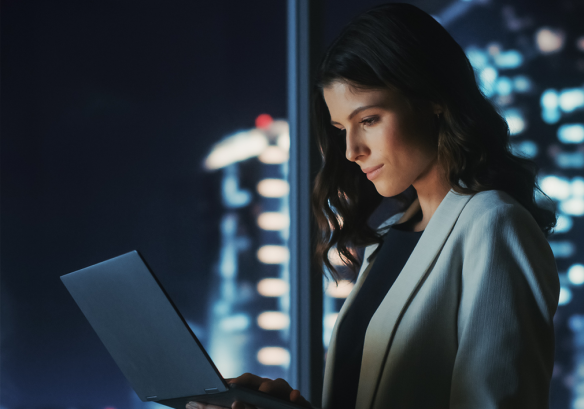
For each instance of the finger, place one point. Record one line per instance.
(200, 405)
(241, 405)
(249, 380)
(278, 387)
(296, 397)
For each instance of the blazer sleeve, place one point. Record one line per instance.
(509, 294)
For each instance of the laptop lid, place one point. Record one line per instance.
(143, 330)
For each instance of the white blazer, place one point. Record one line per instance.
(468, 322)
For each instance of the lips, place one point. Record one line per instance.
(372, 171)
(372, 168)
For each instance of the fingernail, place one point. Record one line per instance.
(192, 405)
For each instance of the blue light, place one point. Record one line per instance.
(578, 186)
(562, 249)
(565, 296)
(488, 76)
(564, 224)
(576, 322)
(570, 160)
(556, 187)
(571, 99)
(571, 133)
(234, 323)
(233, 196)
(522, 83)
(478, 59)
(549, 99)
(515, 120)
(509, 59)
(576, 274)
(525, 148)
(550, 116)
(573, 206)
(504, 86)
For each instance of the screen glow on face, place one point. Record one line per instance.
(393, 143)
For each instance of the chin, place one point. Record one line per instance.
(390, 189)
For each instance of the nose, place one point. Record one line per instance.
(356, 148)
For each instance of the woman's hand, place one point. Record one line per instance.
(276, 387)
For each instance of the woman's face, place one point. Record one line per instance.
(394, 144)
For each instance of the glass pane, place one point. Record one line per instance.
(113, 115)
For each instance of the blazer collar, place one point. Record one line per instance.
(382, 326)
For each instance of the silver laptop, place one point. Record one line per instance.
(149, 339)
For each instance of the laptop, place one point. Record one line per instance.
(149, 339)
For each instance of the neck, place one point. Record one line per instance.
(431, 187)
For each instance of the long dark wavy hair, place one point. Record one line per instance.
(400, 47)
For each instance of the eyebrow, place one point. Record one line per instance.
(357, 110)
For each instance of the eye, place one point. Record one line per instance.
(369, 121)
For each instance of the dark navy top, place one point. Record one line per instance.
(398, 244)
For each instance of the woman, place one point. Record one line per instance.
(455, 308)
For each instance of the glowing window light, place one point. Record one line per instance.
(273, 320)
(580, 43)
(567, 160)
(271, 254)
(565, 296)
(284, 141)
(273, 155)
(573, 206)
(578, 187)
(571, 133)
(241, 146)
(494, 48)
(273, 221)
(263, 121)
(525, 148)
(576, 322)
(508, 59)
(488, 76)
(274, 356)
(238, 322)
(571, 99)
(515, 121)
(549, 99)
(504, 86)
(341, 291)
(273, 188)
(521, 83)
(562, 249)
(549, 40)
(550, 116)
(564, 224)
(555, 187)
(477, 58)
(273, 287)
(330, 320)
(576, 274)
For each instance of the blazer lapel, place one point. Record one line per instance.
(384, 322)
(364, 270)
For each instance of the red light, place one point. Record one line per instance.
(263, 121)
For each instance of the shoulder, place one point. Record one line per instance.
(498, 212)
(504, 247)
